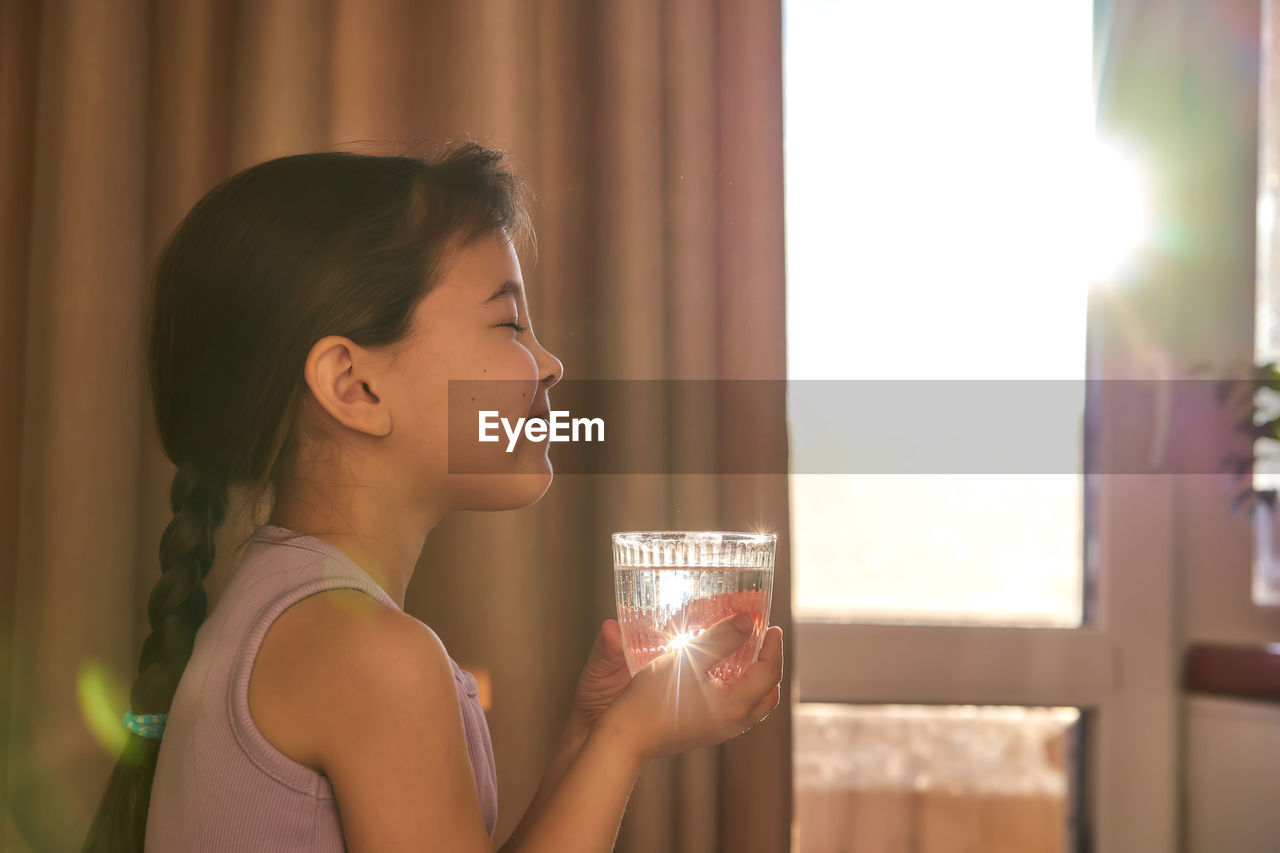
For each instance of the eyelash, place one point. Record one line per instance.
(516, 326)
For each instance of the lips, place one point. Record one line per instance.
(543, 414)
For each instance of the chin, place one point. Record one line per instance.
(492, 492)
(528, 488)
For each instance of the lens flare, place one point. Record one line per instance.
(103, 703)
(679, 641)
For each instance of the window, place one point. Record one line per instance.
(949, 202)
(933, 206)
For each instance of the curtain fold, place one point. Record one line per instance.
(651, 133)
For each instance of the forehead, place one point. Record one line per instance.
(480, 267)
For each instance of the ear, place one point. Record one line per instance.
(343, 378)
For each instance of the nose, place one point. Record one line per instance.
(550, 368)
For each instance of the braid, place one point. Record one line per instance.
(177, 604)
(175, 610)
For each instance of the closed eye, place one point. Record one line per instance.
(515, 326)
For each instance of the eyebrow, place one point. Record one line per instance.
(508, 288)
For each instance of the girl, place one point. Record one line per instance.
(307, 316)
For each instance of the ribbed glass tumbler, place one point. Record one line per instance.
(674, 584)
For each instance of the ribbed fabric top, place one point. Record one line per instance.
(219, 784)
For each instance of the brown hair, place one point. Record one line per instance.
(268, 262)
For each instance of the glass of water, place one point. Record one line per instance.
(674, 584)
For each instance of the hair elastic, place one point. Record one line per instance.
(146, 725)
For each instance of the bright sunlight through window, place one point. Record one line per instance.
(948, 207)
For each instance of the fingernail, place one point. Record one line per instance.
(743, 621)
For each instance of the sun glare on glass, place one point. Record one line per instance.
(679, 641)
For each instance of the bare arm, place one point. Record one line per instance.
(581, 811)
(567, 749)
(603, 678)
(384, 715)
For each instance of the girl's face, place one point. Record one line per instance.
(473, 326)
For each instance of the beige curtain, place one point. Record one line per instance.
(651, 132)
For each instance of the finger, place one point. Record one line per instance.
(718, 642)
(771, 649)
(611, 640)
(765, 706)
(760, 677)
(611, 635)
(606, 651)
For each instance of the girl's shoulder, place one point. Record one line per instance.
(323, 659)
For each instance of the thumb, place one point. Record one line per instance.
(718, 642)
(608, 642)
(611, 635)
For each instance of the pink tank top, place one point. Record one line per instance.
(219, 784)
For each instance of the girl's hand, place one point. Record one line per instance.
(673, 704)
(602, 679)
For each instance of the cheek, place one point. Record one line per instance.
(511, 375)
(489, 354)
(511, 361)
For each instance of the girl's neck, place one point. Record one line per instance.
(386, 546)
